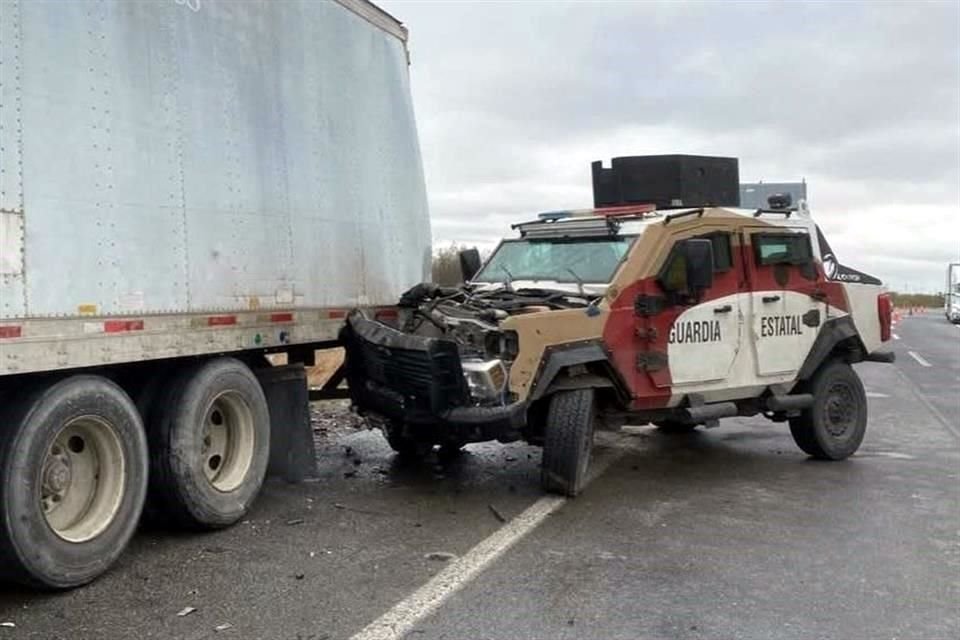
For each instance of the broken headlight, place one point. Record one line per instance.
(486, 379)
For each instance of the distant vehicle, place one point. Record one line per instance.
(951, 296)
(665, 304)
(184, 188)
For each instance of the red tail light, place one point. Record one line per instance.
(885, 311)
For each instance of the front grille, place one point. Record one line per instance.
(386, 367)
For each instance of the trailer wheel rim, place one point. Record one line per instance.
(228, 441)
(82, 479)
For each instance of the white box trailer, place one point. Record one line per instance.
(951, 293)
(185, 186)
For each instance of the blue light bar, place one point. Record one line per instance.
(554, 215)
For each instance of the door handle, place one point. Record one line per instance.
(771, 298)
(724, 309)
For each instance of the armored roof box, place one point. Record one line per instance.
(667, 181)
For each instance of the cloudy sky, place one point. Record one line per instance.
(515, 99)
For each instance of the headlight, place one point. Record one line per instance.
(485, 378)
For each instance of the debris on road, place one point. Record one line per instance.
(185, 611)
(440, 556)
(223, 627)
(9, 625)
(499, 516)
(295, 521)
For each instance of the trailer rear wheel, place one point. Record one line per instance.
(568, 441)
(73, 477)
(210, 441)
(833, 428)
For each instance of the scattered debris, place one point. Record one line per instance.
(223, 627)
(215, 549)
(337, 505)
(9, 625)
(499, 516)
(185, 611)
(350, 474)
(440, 556)
(295, 521)
(298, 576)
(313, 554)
(510, 459)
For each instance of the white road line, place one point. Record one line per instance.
(400, 620)
(896, 337)
(916, 356)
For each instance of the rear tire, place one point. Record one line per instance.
(210, 439)
(568, 442)
(834, 426)
(73, 477)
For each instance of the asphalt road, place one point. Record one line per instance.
(726, 533)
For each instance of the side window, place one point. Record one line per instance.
(674, 275)
(782, 248)
(722, 255)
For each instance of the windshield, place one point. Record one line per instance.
(592, 260)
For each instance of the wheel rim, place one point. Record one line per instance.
(82, 479)
(840, 409)
(228, 441)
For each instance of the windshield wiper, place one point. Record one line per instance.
(578, 279)
(508, 283)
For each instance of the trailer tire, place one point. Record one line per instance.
(73, 478)
(568, 441)
(210, 444)
(834, 426)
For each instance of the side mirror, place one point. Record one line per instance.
(469, 263)
(698, 253)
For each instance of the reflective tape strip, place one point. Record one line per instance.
(118, 326)
(10, 331)
(221, 321)
(336, 314)
(281, 317)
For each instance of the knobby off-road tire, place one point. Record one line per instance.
(73, 478)
(210, 445)
(834, 426)
(406, 447)
(568, 442)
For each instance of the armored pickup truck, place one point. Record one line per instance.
(664, 304)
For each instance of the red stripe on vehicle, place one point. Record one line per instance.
(10, 331)
(281, 317)
(387, 313)
(118, 326)
(221, 321)
(337, 314)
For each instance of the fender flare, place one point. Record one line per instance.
(557, 358)
(832, 333)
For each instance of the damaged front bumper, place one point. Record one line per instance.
(419, 382)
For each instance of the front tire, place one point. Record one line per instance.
(73, 478)
(568, 441)
(210, 438)
(834, 426)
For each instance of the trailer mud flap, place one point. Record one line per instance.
(292, 451)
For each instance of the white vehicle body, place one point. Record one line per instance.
(951, 296)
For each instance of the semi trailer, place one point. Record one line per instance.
(185, 188)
